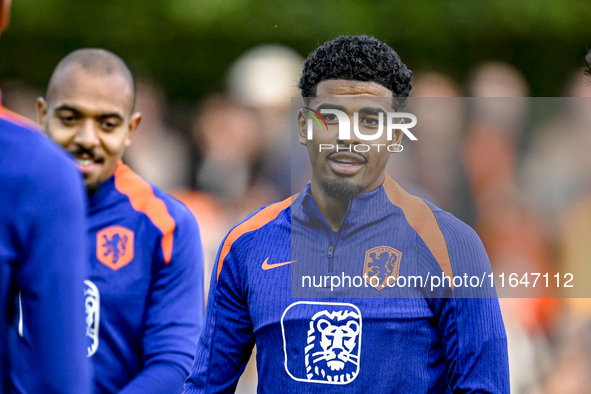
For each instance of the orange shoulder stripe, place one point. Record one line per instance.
(17, 119)
(143, 200)
(257, 221)
(422, 219)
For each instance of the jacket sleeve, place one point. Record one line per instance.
(174, 313)
(227, 339)
(471, 328)
(51, 232)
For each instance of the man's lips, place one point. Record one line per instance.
(86, 165)
(346, 163)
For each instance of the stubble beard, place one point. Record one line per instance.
(341, 188)
(92, 188)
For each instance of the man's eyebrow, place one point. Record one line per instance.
(372, 110)
(330, 106)
(66, 107)
(111, 115)
(76, 111)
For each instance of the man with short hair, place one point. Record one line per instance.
(42, 261)
(352, 221)
(588, 61)
(144, 295)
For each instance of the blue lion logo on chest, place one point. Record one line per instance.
(115, 246)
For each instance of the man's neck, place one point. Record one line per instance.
(93, 189)
(332, 209)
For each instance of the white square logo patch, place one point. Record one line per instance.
(322, 341)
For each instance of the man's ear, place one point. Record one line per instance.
(134, 122)
(302, 119)
(41, 106)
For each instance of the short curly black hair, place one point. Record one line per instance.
(588, 61)
(357, 58)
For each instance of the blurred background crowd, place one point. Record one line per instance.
(215, 81)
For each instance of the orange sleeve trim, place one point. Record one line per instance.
(18, 119)
(142, 198)
(422, 219)
(257, 221)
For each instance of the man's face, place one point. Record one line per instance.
(344, 174)
(90, 116)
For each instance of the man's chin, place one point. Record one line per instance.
(341, 188)
(92, 186)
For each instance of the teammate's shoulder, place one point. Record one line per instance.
(176, 208)
(452, 227)
(256, 221)
(24, 137)
(29, 153)
(163, 210)
(448, 239)
(241, 235)
(263, 216)
(166, 215)
(423, 215)
(16, 121)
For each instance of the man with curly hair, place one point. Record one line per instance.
(352, 221)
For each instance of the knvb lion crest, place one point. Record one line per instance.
(114, 247)
(381, 266)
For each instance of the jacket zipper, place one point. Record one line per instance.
(330, 260)
(332, 246)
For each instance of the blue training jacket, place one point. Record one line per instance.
(328, 341)
(144, 296)
(42, 264)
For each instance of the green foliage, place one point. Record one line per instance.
(186, 45)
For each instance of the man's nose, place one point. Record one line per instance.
(352, 138)
(87, 135)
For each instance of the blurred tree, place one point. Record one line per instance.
(187, 45)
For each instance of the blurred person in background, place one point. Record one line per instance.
(436, 161)
(556, 178)
(555, 173)
(244, 134)
(264, 79)
(144, 294)
(17, 96)
(42, 261)
(222, 133)
(556, 167)
(572, 373)
(510, 231)
(245, 140)
(159, 154)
